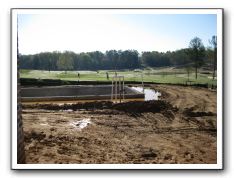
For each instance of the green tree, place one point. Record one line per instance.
(179, 57)
(209, 57)
(86, 61)
(97, 59)
(213, 42)
(65, 62)
(197, 53)
(113, 57)
(128, 59)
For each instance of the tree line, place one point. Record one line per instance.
(68, 60)
(196, 55)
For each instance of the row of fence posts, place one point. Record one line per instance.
(118, 88)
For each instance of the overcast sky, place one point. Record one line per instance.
(84, 33)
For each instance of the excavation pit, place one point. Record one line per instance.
(75, 93)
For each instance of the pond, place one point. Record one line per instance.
(150, 94)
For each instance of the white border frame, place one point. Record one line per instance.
(218, 12)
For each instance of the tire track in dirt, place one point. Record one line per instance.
(186, 97)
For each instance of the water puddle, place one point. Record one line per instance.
(44, 124)
(67, 110)
(81, 124)
(150, 94)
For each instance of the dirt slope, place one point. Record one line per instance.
(183, 132)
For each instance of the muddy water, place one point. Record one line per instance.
(81, 124)
(150, 94)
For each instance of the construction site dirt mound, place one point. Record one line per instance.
(131, 107)
(144, 106)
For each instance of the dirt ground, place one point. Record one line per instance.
(180, 128)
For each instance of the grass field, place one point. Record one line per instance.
(159, 75)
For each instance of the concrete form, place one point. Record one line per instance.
(75, 93)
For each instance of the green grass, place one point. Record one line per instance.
(159, 75)
(24, 71)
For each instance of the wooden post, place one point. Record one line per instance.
(112, 90)
(120, 89)
(117, 88)
(123, 88)
(142, 82)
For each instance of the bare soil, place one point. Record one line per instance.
(179, 128)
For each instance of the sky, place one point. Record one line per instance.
(102, 32)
